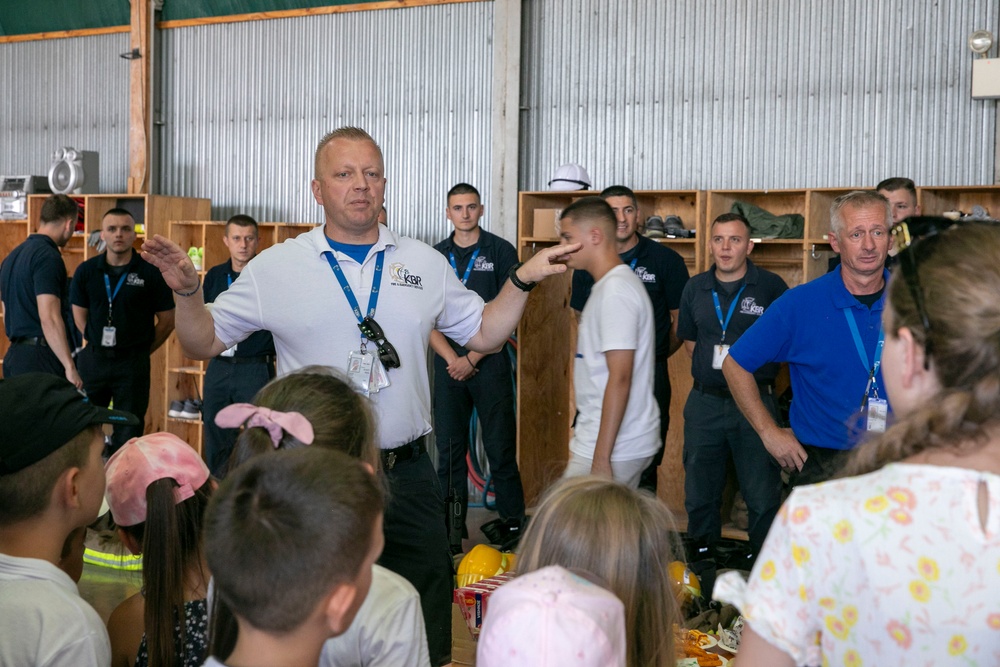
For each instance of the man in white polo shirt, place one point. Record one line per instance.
(356, 296)
(617, 430)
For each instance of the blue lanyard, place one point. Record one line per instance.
(732, 307)
(349, 293)
(111, 296)
(633, 263)
(468, 269)
(873, 368)
(229, 280)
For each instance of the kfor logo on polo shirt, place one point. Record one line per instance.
(134, 280)
(644, 275)
(400, 275)
(748, 306)
(483, 264)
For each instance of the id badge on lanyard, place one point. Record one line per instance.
(721, 351)
(364, 369)
(109, 335)
(875, 408)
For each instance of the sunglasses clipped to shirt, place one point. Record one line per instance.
(913, 239)
(371, 330)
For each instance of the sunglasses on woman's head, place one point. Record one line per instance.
(910, 236)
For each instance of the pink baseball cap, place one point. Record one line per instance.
(552, 618)
(142, 461)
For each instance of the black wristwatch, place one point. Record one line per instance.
(518, 283)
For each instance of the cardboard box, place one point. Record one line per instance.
(463, 646)
(545, 222)
(473, 600)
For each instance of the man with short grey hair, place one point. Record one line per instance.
(829, 330)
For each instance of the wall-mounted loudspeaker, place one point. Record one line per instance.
(74, 172)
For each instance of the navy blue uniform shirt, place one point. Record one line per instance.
(217, 280)
(32, 268)
(698, 320)
(489, 273)
(143, 294)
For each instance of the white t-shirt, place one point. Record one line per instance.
(618, 316)
(388, 630)
(888, 568)
(290, 290)
(43, 620)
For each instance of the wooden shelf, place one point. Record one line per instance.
(186, 376)
(153, 211)
(547, 330)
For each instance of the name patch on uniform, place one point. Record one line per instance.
(134, 280)
(401, 276)
(644, 275)
(482, 264)
(748, 306)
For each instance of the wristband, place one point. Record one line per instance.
(470, 362)
(192, 292)
(517, 282)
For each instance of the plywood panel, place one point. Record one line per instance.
(544, 380)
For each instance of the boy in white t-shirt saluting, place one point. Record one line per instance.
(617, 424)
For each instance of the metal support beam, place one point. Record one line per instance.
(502, 205)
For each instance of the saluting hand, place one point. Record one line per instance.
(175, 265)
(547, 262)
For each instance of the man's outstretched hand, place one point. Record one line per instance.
(547, 262)
(175, 265)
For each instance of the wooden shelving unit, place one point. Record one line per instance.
(184, 376)
(547, 332)
(152, 212)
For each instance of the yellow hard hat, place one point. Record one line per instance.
(480, 563)
(686, 584)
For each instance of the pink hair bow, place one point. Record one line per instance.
(274, 422)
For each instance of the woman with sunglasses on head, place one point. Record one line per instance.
(900, 563)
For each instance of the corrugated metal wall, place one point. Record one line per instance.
(686, 94)
(717, 94)
(246, 103)
(65, 92)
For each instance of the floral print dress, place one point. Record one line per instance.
(889, 568)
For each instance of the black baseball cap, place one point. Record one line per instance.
(39, 413)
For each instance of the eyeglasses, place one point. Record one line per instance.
(906, 236)
(371, 330)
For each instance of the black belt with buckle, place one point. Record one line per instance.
(263, 359)
(30, 340)
(408, 452)
(723, 392)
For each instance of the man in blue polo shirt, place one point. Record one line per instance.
(33, 288)
(830, 333)
(664, 275)
(465, 379)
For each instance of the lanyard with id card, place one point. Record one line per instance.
(877, 409)
(721, 351)
(468, 269)
(363, 368)
(109, 336)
